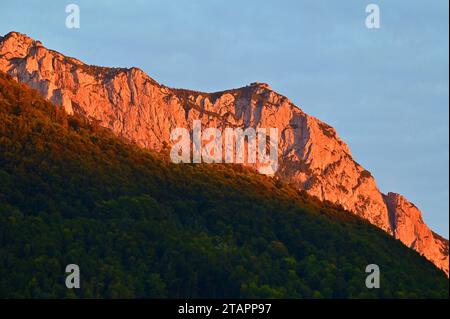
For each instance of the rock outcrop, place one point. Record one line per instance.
(135, 106)
(409, 227)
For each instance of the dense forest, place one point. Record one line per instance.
(139, 226)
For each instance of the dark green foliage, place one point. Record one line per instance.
(139, 226)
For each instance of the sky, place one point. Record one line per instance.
(384, 90)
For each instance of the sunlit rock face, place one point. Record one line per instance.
(409, 227)
(134, 106)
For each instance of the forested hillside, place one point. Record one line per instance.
(138, 226)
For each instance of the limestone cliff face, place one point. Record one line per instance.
(135, 106)
(410, 228)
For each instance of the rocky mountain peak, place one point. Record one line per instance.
(311, 154)
(261, 85)
(16, 44)
(408, 226)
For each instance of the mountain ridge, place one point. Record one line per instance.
(139, 226)
(135, 106)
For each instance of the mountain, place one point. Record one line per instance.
(139, 226)
(136, 107)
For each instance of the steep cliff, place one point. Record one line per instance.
(133, 105)
(410, 228)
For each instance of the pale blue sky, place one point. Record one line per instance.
(385, 91)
